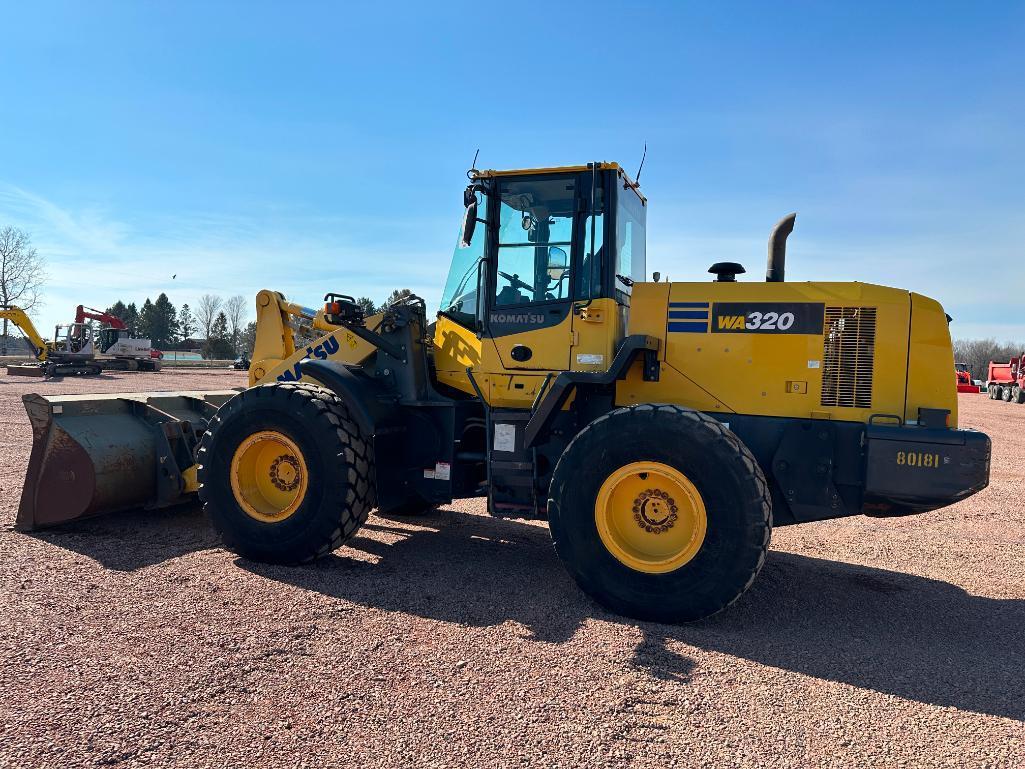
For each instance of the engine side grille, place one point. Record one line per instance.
(848, 358)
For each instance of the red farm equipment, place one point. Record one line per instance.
(964, 379)
(1006, 381)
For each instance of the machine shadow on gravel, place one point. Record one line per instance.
(917, 638)
(453, 567)
(135, 539)
(913, 637)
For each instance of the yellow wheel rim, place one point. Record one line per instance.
(269, 476)
(650, 517)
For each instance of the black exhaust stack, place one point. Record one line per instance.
(778, 248)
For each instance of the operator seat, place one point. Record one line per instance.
(510, 295)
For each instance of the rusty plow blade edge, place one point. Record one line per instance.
(94, 454)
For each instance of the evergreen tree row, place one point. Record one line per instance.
(221, 333)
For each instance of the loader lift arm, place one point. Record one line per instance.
(283, 329)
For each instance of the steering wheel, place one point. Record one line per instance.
(516, 282)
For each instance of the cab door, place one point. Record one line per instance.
(598, 319)
(529, 316)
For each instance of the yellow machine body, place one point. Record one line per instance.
(895, 368)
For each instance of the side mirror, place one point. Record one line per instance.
(558, 262)
(469, 217)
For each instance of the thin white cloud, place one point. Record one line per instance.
(96, 259)
(973, 267)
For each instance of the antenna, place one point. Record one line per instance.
(473, 165)
(637, 179)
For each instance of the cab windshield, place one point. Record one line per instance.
(459, 299)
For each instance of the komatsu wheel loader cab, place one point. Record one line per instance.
(662, 429)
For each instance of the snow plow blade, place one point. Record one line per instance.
(94, 454)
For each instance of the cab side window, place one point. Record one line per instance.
(535, 237)
(630, 238)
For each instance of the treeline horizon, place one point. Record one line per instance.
(977, 354)
(220, 324)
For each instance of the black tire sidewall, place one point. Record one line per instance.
(324, 504)
(737, 525)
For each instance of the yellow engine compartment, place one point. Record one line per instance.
(899, 362)
(904, 363)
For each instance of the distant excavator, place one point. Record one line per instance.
(127, 353)
(75, 347)
(69, 353)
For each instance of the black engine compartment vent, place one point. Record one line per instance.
(848, 357)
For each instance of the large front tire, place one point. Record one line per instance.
(660, 513)
(285, 474)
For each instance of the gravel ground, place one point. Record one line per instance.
(457, 639)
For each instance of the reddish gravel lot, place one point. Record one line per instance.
(457, 639)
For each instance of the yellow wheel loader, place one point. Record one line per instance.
(662, 429)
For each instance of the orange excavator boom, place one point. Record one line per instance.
(84, 313)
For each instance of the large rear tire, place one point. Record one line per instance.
(285, 474)
(1006, 392)
(660, 513)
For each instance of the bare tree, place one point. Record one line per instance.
(235, 310)
(206, 312)
(22, 274)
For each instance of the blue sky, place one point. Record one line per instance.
(314, 147)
